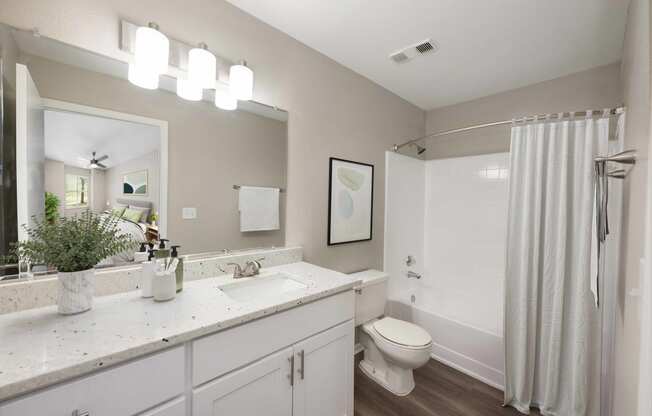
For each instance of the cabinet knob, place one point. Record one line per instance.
(80, 412)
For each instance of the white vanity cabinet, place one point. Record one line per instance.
(261, 388)
(294, 362)
(312, 378)
(323, 380)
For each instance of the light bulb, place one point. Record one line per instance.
(202, 67)
(152, 49)
(224, 100)
(241, 81)
(189, 90)
(142, 77)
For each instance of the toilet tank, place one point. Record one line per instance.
(371, 295)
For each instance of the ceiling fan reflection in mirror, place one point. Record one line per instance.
(95, 162)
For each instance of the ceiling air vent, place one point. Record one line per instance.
(408, 53)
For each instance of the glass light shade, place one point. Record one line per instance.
(143, 77)
(152, 50)
(202, 67)
(224, 100)
(241, 82)
(189, 90)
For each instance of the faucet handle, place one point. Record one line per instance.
(255, 267)
(237, 269)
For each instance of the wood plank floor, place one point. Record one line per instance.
(439, 391)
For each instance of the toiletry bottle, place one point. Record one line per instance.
(141, 255)
(162, 252)
(175, 254)
(147, 275)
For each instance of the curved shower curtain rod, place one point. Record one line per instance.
(612, 112)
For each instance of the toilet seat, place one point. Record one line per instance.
(402, 333)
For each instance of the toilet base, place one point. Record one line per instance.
(398, 381)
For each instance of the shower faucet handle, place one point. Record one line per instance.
(410, 261)
(413, 275)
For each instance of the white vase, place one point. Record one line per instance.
(75, 291)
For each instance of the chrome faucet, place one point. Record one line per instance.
(251, 268)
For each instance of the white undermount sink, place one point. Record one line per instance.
(264, 286)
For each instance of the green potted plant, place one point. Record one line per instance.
(51, 207)
(74, 246)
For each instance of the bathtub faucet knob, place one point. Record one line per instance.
(413, 275)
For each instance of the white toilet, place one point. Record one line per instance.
(392, 348)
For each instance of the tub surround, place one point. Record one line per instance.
(31, 294)
(41, 348)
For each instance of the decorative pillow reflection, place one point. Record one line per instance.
(118, 211)
(132, 215)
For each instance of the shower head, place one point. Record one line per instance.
(420, 149)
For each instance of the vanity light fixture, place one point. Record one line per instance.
(142, 78)
(241, 81)
(202, 66)
(152, 49)
(223, 98)
(189, 90)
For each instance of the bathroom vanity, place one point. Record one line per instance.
(277, 344)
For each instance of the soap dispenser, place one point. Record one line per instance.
(162, 252)
(175, 254)
(147, 274)
(141, 255)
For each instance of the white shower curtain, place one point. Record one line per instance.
(551, 341)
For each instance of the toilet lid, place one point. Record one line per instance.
(401, 332)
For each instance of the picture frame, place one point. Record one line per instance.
(135, 183)
(350, 201)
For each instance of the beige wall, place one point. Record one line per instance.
(209, 151)
(98, 190)
(593, 89)
(636, 85)
(333, 111)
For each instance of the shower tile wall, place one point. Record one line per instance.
(452, 215)
(466, 228)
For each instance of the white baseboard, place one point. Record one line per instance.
(468, 366)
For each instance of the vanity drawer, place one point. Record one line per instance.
(215, 355)
(124, 390)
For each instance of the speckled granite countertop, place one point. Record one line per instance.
(38, 347)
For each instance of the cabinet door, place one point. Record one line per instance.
(324, 373)
(261, 388)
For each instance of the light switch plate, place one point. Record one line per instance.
(189, 213)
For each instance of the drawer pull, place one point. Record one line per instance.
(302, 371)
(79, 412)
(291, 375)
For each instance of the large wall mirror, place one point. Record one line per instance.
(77, 135)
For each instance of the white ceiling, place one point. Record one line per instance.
(486, 46)
(72, 137)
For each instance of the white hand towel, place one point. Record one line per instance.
(259, 208)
